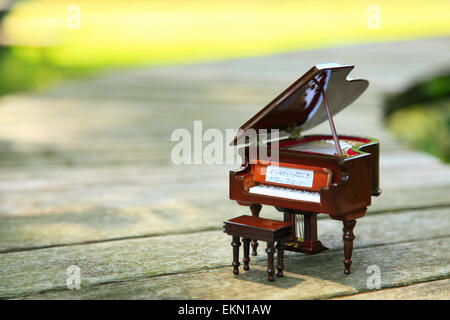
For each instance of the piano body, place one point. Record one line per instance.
(327, 174)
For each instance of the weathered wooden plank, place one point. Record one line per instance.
(433, 290)
(393, 173)
(306, 277)
(67, 223)
(130, 202)
(136, 133)
(13, 180)
(144, 186)
(45, 269)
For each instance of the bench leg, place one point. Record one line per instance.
(255, 208)
(254, 247)
(246, 259)
(236, 244)
(280, 257)
(270, 252)
(348, 244)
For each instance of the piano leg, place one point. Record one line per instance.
(236, 244)
(255, 208)
(246, 259)
(348, 244)
(280, 257)
(311, 245)
(270, 252)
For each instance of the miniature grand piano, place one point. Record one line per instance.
(328, 174)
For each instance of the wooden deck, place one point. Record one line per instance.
(86, 180)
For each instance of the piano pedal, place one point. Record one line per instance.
(293, 245)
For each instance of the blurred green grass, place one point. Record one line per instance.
(31, 68)
(39, 48)
(420, 116)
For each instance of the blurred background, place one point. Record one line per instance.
(43, 42)
(48, 40)
(91, 91)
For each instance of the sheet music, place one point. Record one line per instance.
(290, 176)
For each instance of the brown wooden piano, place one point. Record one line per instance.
(329, 174)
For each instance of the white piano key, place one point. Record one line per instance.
(287, 193)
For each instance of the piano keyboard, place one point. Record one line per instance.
(285, 193)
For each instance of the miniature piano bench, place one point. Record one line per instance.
(254, 228)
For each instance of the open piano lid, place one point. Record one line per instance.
(301, 106)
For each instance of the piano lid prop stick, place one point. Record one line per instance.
(330, 119)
